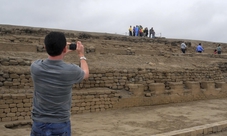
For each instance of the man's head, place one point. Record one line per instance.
(55, 43)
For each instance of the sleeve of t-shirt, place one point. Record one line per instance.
(79, 74)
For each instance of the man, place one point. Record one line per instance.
(137, 30)
(53, 80)
(219, 49)
(152, 32)
(145, 32)
(199, 48)
(130, 31)
(183, 47)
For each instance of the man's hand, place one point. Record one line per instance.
(80, 49)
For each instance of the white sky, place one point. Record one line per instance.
(180, 19)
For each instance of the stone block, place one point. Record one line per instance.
(27, 105)
(194, 87)
(4, 106)
(176, 88)
(222, 85)
(2, 115)
(13, 110)
(136, 89)
(6, 119)
(14, 76)
(21, 96)
(209, 87)
(10, 114)
(6, 96)
(20, 105)
(27, 117)
(157, 88)
(20, 118)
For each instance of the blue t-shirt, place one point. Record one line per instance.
(199, 48)
(53, 81)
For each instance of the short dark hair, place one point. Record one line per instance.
(55, 42)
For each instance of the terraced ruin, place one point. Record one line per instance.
(124, 71)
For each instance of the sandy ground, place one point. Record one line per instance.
(140, 121)
(219, 134)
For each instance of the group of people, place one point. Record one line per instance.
(200, 48)
(138, 30)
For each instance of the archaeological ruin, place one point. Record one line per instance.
(124, 71)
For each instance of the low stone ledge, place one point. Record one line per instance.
(198, 130)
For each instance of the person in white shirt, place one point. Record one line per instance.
(183, 47)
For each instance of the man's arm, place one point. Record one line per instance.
(83, 62)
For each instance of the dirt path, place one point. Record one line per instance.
(140, 121)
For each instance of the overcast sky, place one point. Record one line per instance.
(182, 19)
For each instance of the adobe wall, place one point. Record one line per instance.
(20, 78)
(18, 106)
(190, 91)
(102, 91)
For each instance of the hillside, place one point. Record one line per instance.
(112, 51)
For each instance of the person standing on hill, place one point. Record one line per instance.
(134, 30)
(140, 31)
(137, 30)
(53, 80)
(199, 48)
(145, 32)
(219, 49)
(152, 32)
(183, 47)
(130, 31)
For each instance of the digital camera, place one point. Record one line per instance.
(72, 46)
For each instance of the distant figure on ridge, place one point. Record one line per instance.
(134, 30)
(219, 49)
(183, 47)
(130, 31)
(145, 31)
(140, 31)
(199, 48)
(152, 32)
(137, 30)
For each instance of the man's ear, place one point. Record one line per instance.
(65, 49)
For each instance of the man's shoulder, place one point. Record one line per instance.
(37, 61)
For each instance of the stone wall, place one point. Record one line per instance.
(190, 91)
(20, 77)
(18, 106)
(14, 61)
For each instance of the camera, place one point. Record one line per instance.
(72, 46)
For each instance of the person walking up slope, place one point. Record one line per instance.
(199, 48)
(219, 49)
(183, 47)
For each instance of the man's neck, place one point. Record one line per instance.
(60, 57)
